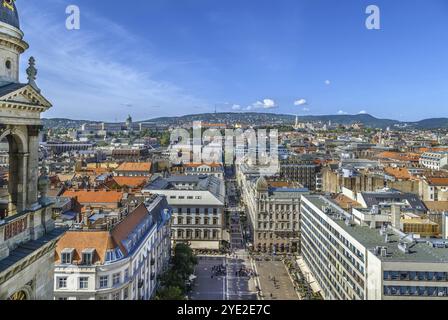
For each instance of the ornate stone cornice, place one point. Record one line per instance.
(13, 43)
(22, 106)
(36, 102)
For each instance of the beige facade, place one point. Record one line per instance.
(273, 213)
(334, 182)
(433, 191)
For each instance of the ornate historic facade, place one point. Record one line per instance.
(27, 233)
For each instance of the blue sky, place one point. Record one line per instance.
(151, 58)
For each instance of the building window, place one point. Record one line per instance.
(126, 274)
(116, 296)
(83, 283)
(116, 279)
(62, 282)
(87, 257)
(67, 256)
(104, 282)
(125, 294)
(8, 64)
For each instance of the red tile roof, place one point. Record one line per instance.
(135, 166)
(132, 182)
(101, 241)
(438, 181)
(94, 196)
(398, 173)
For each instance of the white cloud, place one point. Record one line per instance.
(305, 109)
(342, 112)
(236, 107)
(87, 73)
(363, 112)
(300, 102)
(265, 104)
(327, 82)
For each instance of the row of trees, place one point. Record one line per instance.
(173, 283)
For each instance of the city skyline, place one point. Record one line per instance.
(308, 58)
(241, 200)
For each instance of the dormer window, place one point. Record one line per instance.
(87, 256)
(67, 256)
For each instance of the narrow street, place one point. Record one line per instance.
(229, 277)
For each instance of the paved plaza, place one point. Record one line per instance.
(275, 281)
(226, 287)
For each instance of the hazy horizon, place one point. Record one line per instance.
(164, 57)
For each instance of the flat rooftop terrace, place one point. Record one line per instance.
(420, 252)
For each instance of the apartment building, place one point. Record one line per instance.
(215, 169)
(434, 189)
(434, 160)
(273, 211)
(305, 174)
(368, 257)
(198, 204)
(120, 263)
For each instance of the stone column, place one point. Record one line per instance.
(24, 180)
(13, 182)
(33, 165)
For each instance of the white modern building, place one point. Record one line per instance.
(434, 160)
(122, 263)
(351, 260)
(198, 208)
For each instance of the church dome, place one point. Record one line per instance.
(8, 13)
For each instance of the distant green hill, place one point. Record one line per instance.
(255, 118)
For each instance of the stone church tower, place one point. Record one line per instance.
(27, 233)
